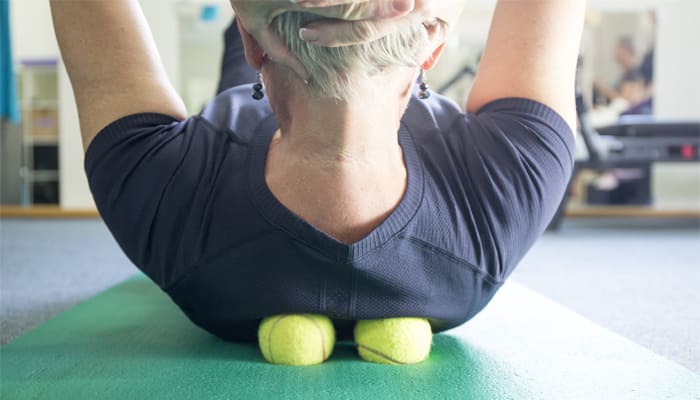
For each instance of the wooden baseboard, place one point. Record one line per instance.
(572, 212)
(46, 212)
(629, 212)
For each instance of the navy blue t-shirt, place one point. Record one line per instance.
(188, 203)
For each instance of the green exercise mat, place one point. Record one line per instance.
(131, 342)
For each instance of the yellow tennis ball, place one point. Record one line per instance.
(296, 339)
(394, 341)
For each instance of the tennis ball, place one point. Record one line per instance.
(393, 341)
(296, 339)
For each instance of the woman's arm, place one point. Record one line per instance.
(112, 62)
(531, 52)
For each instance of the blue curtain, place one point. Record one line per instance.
(8, 92)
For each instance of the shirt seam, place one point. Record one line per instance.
(104, 139)
(522, 105)
(203, 262)
(488, 277)
(232, 136)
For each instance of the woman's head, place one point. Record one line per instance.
(626, 52)
(333, 70)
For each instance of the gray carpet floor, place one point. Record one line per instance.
(637, 278)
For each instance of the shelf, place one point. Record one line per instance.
(39, 100)
(39, 63)
(40, 140)
(40, 104)
(42, 176)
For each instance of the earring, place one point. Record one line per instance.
(424, 87)
(258, 87)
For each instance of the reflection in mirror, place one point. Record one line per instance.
(617, 64)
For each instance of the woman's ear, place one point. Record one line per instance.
(437, 33)
(254, 53)
(433, 59)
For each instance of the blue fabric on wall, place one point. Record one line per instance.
(8, 92)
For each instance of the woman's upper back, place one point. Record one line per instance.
(189, 204)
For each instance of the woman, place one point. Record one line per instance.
(350, 197)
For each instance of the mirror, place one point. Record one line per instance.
(616, 71)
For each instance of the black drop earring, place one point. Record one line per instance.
(258, 87)
(424, 87)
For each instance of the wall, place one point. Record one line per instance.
(678, 60)
(677, 94)
(677, 80)
(28, 41)
(201, 49)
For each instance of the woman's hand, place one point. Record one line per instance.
(255, 16)
(366, 22)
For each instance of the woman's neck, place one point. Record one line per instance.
(331, 135)
(360, 132)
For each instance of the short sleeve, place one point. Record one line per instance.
(515, 161)
(149, 175)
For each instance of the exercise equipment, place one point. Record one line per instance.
(636, 142)
(296, 339)
(393, 341)
(132, 342)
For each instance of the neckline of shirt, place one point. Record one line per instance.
(280, 216)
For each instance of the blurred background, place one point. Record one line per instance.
(624, 249)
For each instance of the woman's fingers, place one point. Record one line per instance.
(279, 53)
(362, 21)
(336, 33)
(358, 9)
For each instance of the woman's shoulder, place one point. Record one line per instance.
(438, 111)
(235, 110)
(440, 114)
(429, 121)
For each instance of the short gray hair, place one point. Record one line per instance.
(332, 70)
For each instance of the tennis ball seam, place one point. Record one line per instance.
(277, 321)
(269, 338)
(380, 354)
(320, 333)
